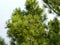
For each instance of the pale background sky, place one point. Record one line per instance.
(6, 9)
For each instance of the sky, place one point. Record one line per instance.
(6, 9)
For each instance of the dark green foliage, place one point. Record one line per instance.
(32, 7)
(53, 5)
(2, 42)
(54, 32)
(54, 25)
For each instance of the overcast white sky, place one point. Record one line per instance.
(6, 9)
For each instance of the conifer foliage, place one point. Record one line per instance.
(54, 5)
(27, 27)
(2, 42)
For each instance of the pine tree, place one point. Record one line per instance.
(54, 32)
(26, 27)
(53, 5)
